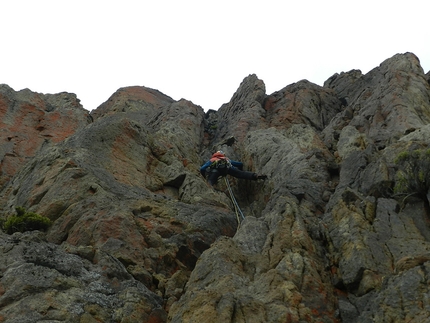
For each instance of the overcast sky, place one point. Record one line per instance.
(199, 50)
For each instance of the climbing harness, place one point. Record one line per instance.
(233, 199)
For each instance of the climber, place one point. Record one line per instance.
(219, 165)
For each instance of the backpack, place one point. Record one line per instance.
(220, 164)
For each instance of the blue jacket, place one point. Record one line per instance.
(209, 163)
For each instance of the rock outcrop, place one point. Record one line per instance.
(138, 235)
(30, 120)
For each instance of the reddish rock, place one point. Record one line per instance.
(138, 235)
(302, 103)
(133, 98)
(29, 120)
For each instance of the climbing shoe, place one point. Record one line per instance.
(260, 176)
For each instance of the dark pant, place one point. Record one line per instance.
(214, 174)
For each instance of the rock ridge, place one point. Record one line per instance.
(138, 235)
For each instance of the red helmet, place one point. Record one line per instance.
(218, 154)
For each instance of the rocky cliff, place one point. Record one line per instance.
(138, 235)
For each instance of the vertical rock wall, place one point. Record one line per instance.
(139, 236)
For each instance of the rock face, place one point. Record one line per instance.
(29, 120)
(138, 236)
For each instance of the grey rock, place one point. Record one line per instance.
(139, 236)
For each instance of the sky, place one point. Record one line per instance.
(199, 50)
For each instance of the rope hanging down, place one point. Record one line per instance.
(233, 199)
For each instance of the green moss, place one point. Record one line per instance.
(25, 221)
(413, 175)
(403, 156)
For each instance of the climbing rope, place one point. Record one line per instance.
(233, 199)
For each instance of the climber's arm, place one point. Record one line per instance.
(204, 167)
(237, 164)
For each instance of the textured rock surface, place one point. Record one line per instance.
(138, 236)
(29, 120)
